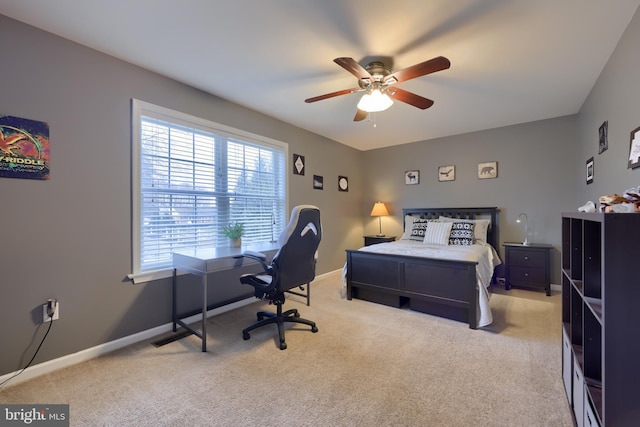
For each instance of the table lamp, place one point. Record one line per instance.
(525, 242)
(379, 210)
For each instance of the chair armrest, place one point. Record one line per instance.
(260, 257)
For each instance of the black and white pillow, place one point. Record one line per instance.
(461, 233)
(418, 228)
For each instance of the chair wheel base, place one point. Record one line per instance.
(245, 336)
(314, 329)
(283, 346)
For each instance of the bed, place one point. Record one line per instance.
(449, 281)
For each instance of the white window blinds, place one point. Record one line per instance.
(194, 178)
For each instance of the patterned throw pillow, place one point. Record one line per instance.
(461, 233)
(418, 228)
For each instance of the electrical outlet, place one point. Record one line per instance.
(56, 311)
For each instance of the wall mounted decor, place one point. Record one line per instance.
(412, 177)
(603, 141)
(487, 170)
(634, 149)
(24, 148)
(590, 171)
(447, 173)
(318, 182)
(343, 183)
(298, 164)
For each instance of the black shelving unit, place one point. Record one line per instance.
(601, 317)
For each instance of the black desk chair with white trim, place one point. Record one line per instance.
(292, 266)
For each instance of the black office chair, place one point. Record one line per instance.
(293, 265)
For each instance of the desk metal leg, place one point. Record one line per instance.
(174, 313)
(204, 312)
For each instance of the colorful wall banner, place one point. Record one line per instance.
(24, 148)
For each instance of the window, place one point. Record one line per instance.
(191, 177)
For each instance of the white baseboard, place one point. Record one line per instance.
(90, 353)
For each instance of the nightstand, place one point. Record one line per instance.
(372, 240)
(528, 266)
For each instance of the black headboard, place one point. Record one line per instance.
(462, 213)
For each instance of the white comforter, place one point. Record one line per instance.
(485, 255)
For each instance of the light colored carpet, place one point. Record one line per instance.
(369, 365)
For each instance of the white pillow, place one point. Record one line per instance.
(437, 233)
(408, 226)
(480, 229)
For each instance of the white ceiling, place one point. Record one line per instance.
(511, 61)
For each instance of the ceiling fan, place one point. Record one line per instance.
(377, 81)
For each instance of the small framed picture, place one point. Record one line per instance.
(343, 183)
(412, 177)
(634, 149)
(487, 170)
(318, 182)
(603, 142)
(298, 164)
(447, 173)
(590, 171)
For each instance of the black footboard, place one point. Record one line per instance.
(440, 287)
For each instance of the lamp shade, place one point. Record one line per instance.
(379, 209)
(374, 101)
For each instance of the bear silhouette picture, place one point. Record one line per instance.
(487, 170)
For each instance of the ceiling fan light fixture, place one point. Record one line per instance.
(374, 101)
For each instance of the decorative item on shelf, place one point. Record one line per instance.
(379, 210)
(234, 232)
(630, 202)
(525, 242)
(587, 207)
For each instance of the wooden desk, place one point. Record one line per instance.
(201, 262)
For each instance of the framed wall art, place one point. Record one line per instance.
(487, 170)
(318, 182)
(590, 171)
(24, 148)
(603, 141)
(447, 173)
(298, 164)
(412, 177)
(343, 183)
(634, 149)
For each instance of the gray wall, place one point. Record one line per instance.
(535, 175)
(615, 98)
(70, 237)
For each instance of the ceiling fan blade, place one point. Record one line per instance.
(353, 67)
(332, 94)
(427, 67)
(360, 115)
(409, 98)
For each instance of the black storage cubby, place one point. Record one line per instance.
(600, 316)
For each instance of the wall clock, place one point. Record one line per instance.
(343, 183)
